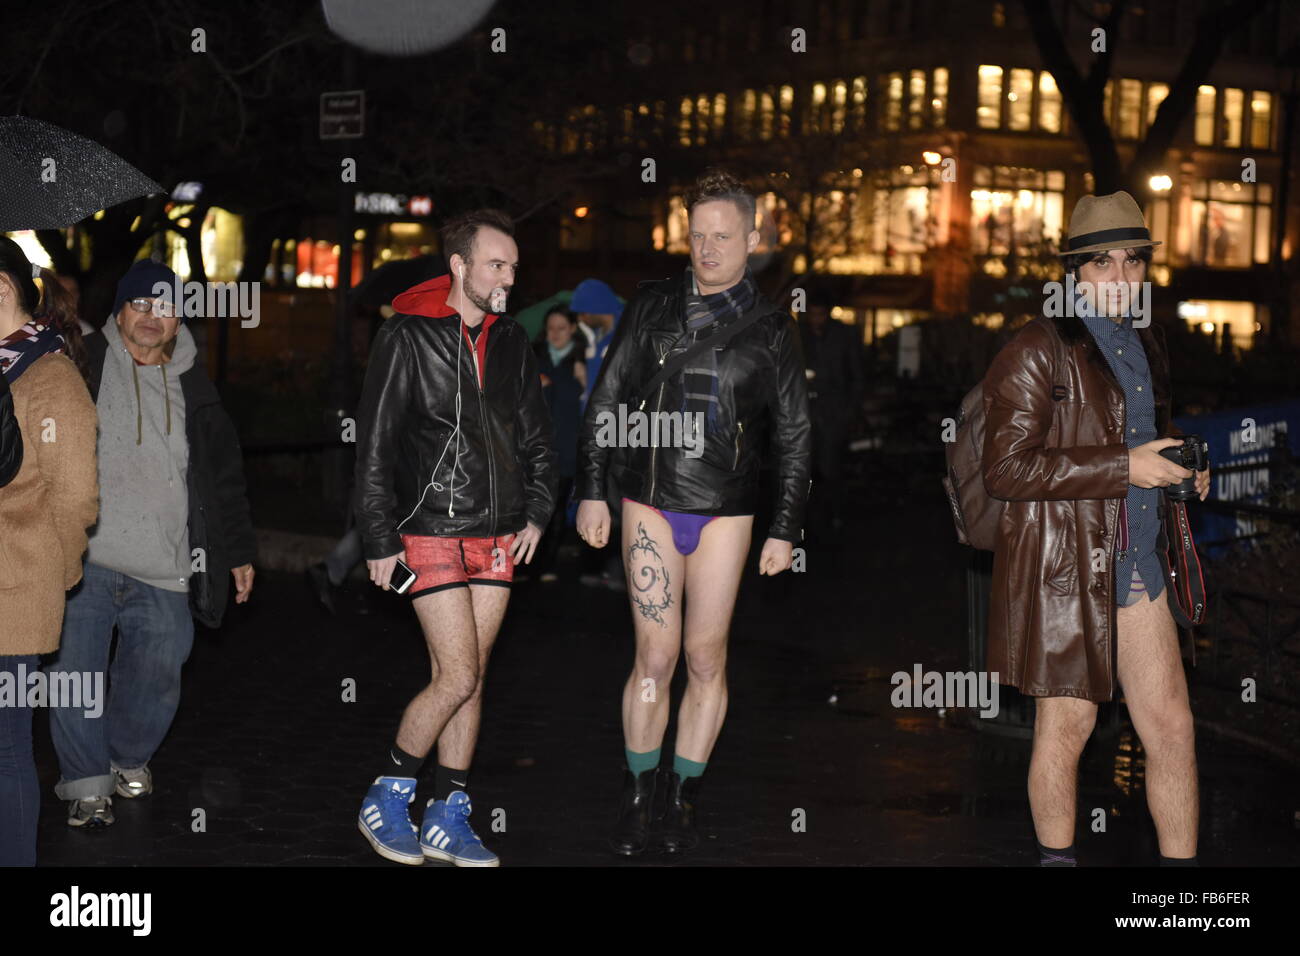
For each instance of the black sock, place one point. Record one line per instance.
(1049, 857)
(1178, 861)
(402, 764)
(445, 780)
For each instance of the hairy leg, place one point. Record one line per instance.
(1062, 725)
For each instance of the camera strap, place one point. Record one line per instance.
(1186, 582)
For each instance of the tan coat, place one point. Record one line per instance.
(46, 509)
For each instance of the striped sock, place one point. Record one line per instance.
(1050, 857)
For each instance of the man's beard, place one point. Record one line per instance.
(480, 301)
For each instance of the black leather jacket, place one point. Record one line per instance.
(11, 439)
(409, 464)
(764, 402)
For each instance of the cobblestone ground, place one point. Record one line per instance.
(265, 746)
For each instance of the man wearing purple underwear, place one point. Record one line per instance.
(704, 376)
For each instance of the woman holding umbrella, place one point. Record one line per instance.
(44, 514)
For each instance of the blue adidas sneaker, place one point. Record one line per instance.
(386, 822)
(445, 833)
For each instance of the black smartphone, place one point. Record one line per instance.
(402, 578)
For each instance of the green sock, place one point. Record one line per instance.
(687, 768)
(640, 763)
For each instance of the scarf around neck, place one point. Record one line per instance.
(558, 355)
(700, 381)
(25, 345)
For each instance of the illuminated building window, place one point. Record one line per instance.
(839, 104)
(767, 115)
(703, 119)
(1238, 320)
(678, 225)
(1230, 222)
(990, 97)
(592, 128)
(916, 99)
(1233, 107)
(902, 221)
(745, 118)
(893, 114)
(1020, 98)
(1020, 208)
(786, 102)
(859, 102)
(1157, 217)
(1107, 101)
(628, 126)
(684, 110)
(1049, 103)
(1261, 113)
(939, 97)
(1156, 93)
(813, 122)
(569, 137)
(1130, 109)
(1204, 116)
(719, 114)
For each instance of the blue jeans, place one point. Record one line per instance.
(155, 634)
(20, 794)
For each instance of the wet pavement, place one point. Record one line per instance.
(270, 759)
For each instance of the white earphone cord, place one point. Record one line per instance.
(455, 435)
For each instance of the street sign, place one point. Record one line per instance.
(343, 114)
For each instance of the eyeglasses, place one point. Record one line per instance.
(159, 307)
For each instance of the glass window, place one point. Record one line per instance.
(813, 121)
(916, 99)
(1230, 222)
(859, 102)
(1049, 103)
(894, 101)
(1233, 105)
(684, 110)
(990, 97)
(1130, 109)
(1205, 116)
(839, 103)
(1156, 93)
(719, 113)
(1261, 112)
(1010, 206)
(1107, 109)
(703, 117)
(901, 227)
(745, 118)
(939, 96)
(787, 107)
(768, 117)
(1020, 98)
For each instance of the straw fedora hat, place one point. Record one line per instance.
(1101, 223)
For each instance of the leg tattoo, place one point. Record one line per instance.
(650, 581)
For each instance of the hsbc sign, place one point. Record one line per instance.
(393, 204)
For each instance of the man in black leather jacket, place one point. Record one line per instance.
(688, 499)
(455, 478)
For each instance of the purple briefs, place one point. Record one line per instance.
(686, 528)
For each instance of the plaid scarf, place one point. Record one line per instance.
(24, 346)
(700, 381)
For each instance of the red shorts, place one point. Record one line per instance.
(442, 563)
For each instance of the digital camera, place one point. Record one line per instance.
(1194, 454)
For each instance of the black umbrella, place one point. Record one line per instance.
(393, 278)
(51, 178)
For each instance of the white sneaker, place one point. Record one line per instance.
(133, 783)
(91, 812)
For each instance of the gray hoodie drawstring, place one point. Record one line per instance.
(139, 410)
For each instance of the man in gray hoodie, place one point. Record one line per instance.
(140, 558)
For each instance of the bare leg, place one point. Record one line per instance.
(457, 742)
(654, 587)
(1062, 726)
(447, 619)
(713, 573)
(1155, 690)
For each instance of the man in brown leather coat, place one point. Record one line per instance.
(1077, 409)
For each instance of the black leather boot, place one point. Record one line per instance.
(678, 831)
(632, 832)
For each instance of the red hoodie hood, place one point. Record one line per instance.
(428, 299)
